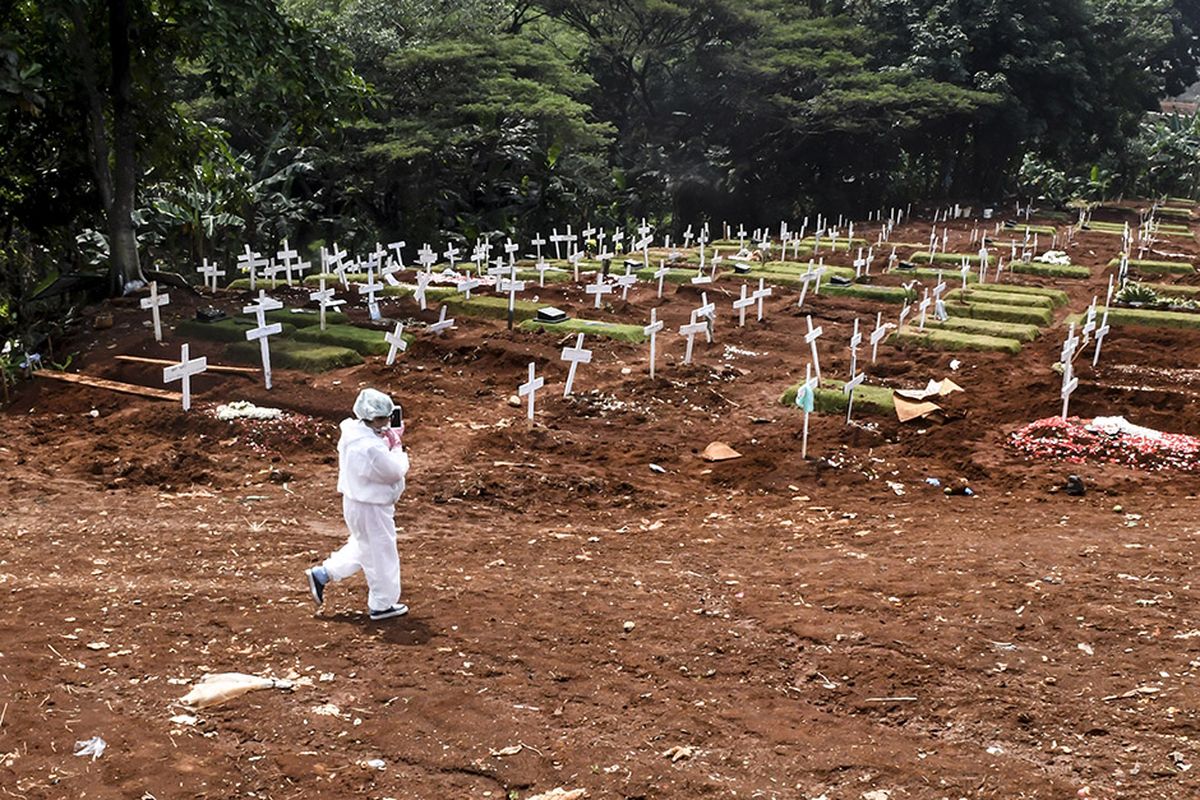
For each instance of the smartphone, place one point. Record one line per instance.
(397, 417)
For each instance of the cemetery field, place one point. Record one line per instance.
(594, 605)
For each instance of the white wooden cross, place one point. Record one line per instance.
(325, 298)
(643, 245)
(467, 284)
(423, 280)
(1089, 322)
(625, 281)
(369, 289)
(541, 267)
(660, 274)
(1101, 332)
(848, 390)
(652, 330)
(877, 335)
(336, 262)
(587, 234)
(760, 294)
(575, 259)
(939, 307)
(510, 250)
(183, 371)
(512, 286)
(451, 254)
(576, 355)
(396, 247)
(285, 257)
(617, 238)
(263, 330)
(569, 238)
(556, 239)
(810, 339)
(442, 324)
(1069, 382)
(687, 237)
(530, 388)
(923, 307)
(741, 304)
(396, 340)
(701, 240)
(154, 302)
(855, 340)
(859, 263)
(690, 330)
(599, 288)
(213, 271)
(537, 242)
(707, 311)
(426, 257)
(805, 395)
(250, 262)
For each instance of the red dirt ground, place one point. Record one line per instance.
(831, 628)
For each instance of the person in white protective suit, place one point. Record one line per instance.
(371, 469)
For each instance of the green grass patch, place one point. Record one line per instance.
(1020, 331)
(945, 258)
(243, 284)
(611, 330)
(1057, 296)
(800, 268)
(363, 341)
(1049, 270)
(672, 276)
(1147, 317)
(999, 313)
(943, 339)
(1175, 212)
(232, 329)
(492, 307)
(951, 276)
(304, 317)
(1173, 230)
(1175, 290)
(287, 354)
(1157, 267)
(829, 398)
(862, 291)
(842, 243)
(1042, 230)
(998, 296)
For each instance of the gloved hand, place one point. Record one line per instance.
(394, 437)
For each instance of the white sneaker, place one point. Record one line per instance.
(398, 610)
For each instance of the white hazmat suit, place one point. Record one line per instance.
(371, 480)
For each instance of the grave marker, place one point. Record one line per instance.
(1069, 382)
(263, 331)
(530, 388)
(599, 288)
(761, 294)
(576, 355)
(512, 286)
(625, 281)
(661, 273)
(396, 340)
(652, 330)
(154, 302)
(741, 304)
(690, 330)
(467, 284)
(213, 271)
(805, 395)
(848, 390)
(442, 324)
(285, 257)
(369, 289)
(877, 335)
(810, 339)
(183, 371)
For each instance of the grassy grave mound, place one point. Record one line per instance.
(997, 296)
(492, 307)
(927, 273)
(243, 284)
(1057, 296)
(1149, 318)
(1175, 212)
(1157, 267)
(304, 317)
(945, 258)
(611, 330)
(1048, 270)
(862, 291)
(1175, 290)
(945, 339)
(1000, 313)
(363, 341)
(432, 293)
(1020, 331)
(683, 276)
(1172, 229)
(798, 268)
(829, 397)
(232, 329)
(287, 354)
(1043, 230)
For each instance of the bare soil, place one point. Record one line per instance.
(832, 627)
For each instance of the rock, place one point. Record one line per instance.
(629, 625)
(719, 451)
(514, 401)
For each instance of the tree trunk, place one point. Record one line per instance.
(123, 252)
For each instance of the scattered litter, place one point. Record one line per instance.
(719, 451)
(1180, 761)
(907, 410)
(97, 645)
(327, 710)
(896, 487)
(1147, 690)
(511, 750)
(93, 747)
(658, 469)
(955, 364)
(373, 763)
(679, 752)
(1056, 257)
(877, 794)
(243, 409)
(1075, 486)
(184, 719)
(932, 389)
(1086, 648)
(561, 794)
(933, 481)
(219, 687)
(1107, 439)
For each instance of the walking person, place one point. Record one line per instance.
(371, 469)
